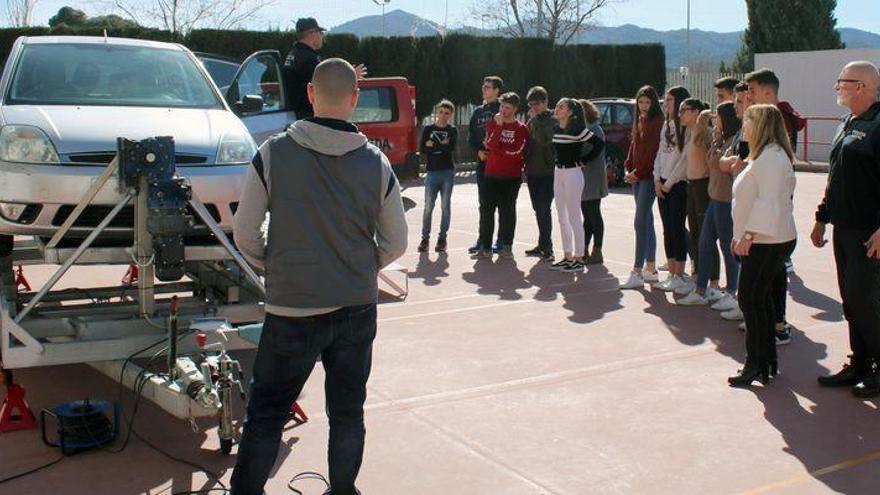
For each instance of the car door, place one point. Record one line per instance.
(260, 75)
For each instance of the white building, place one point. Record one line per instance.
(807, 82)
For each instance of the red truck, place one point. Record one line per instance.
(386, 110)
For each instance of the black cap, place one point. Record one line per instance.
(304, 24)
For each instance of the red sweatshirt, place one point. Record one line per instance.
(643, 149)
(506, 146)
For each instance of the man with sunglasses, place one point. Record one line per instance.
(852, 204)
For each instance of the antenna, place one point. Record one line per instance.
(105, 35)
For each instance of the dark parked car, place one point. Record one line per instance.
(617, 121)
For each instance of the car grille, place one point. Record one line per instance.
(93, 215)
(107, 157)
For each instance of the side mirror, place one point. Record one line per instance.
(249, 104)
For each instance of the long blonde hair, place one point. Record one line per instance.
(767, 128)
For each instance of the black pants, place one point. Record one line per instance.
(541, 194)
(697, 203)
(859, 279)
(673, 211)
(758, 270)
(594, 226)
(780, 290)
(499, 193)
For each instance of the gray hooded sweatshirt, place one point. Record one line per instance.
(336, 218)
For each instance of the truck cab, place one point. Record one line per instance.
(386, 111)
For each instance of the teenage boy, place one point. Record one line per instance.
(492, 86)
(725, 89)
(506, 140)
(438, 144)
(540, 162)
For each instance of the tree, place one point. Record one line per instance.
(70, 17)
(787, 26)
(723, 69)
(182, 16)
(19, 12)
(556, 20)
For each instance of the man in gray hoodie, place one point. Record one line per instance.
(336, 220)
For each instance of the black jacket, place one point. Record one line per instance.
(299, 66)
(852, 196)
(477, 126)
(439, 156)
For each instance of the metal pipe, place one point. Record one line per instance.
(84, 202)
(76, 254)
(206, 217)
(143, 246)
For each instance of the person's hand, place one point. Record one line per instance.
(498, 119)
(630, 177)
(873, 245)
(738, 166)
(429, 144)
(741, 247)
(361, 71)
(818, 235)
(445, 141)
(482, 154)
(658, 190)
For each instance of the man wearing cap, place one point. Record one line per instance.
(299, 66)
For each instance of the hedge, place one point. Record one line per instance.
(450, 67)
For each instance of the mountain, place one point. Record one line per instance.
(708, 48)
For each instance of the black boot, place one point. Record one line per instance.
(847, 377)
(747, 376)
(869, 387)
(595, 258)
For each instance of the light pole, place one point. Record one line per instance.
(688, 41)
(382, 3)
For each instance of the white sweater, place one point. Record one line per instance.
(762, 198)
(670, 163)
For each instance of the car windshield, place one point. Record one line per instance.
(375, 105)
(109, 75)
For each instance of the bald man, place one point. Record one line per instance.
(336, 220)
(852, 205)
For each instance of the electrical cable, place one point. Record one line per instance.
(32, 471)
(307, 475)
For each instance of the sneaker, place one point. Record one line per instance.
(481, 254)
(742, 326)
(664, 267)
(423, 246)
(633, 282)
(687, 286)
(733, 315)
(535, 252)
(674, 284)
(783, 336)
(506, 253)
(560, 265)
(498, 247)
(666, 285)
(473, 249)
(547, 255)
(726, 303)
(650, 277)
(789, 266)
(574, 266)
(441, 246)
(714, 295)
(693, 298)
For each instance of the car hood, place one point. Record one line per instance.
(83, 129)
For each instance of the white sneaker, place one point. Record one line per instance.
(733, 315)
(713, 295)
(649, 277)
(726, 303)
(694, 298)
(742, 326)
(687, 286)
(633, 282)
(666, 285)
(664, 267)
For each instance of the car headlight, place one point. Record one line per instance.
(26, 144)
(235, 149)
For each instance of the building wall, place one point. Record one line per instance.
(807, 82)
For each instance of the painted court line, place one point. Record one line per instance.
(794, 480)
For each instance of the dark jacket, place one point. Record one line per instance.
(439, 156)
(852, 196)
(299, 66)
(643, 148)
(477, 126)
(540, 152)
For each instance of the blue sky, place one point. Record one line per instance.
(709, 15)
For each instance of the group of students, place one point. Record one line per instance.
(722, 179)
(559, 154)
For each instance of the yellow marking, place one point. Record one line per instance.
(814, 474)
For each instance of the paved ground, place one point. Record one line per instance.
(501, 377)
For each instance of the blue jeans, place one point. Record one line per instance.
(541, 194)
(437, 181)
(288, 350)
(646, 238)
(717, 228)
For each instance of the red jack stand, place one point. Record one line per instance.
(131, 276)
(297, 414)
(14, 411)
(20, 281)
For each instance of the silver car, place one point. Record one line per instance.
(65, 101)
